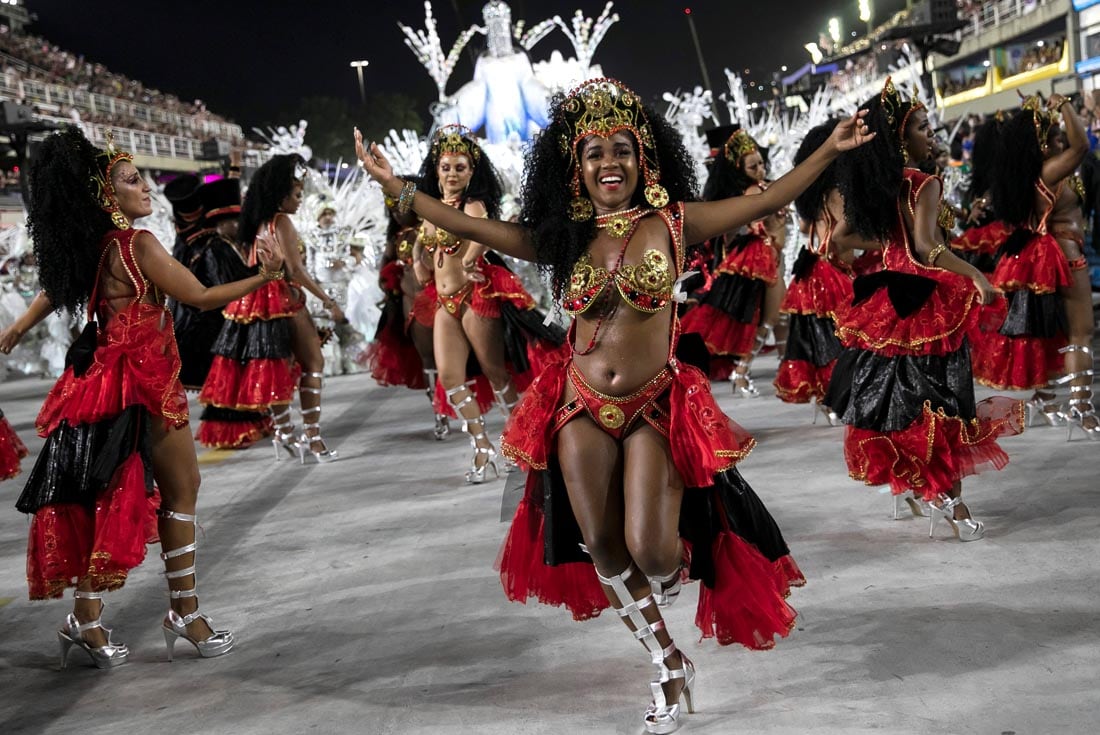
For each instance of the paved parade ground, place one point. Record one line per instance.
(363, 598)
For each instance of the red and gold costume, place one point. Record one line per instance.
(904, 384)
(12, 450)
(392, 358)
(816, 299)
(1023, 352)
(252, 367)
(735, 547)
(91, 490)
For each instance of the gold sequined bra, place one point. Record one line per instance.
(440, 239)
(646, 287)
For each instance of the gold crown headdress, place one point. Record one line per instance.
(103, 186)
(453, 140)
(604, 107)
(739, 145)
(1043, 119)
(897, 110)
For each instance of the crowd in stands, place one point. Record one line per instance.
(963, 83)
(47, 63)
(1038, 55)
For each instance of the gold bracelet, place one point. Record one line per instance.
(936, 252)
(271, 275)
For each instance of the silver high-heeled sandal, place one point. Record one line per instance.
(305, 442)
(747, 389)
(284, 438)
(219, 642)
(916, 510)
(660, 717)
(477, 473)
(1079, 409)
(666, 589)
(965, 529)
(1043, 406)
(106, 656)
(825, 411)
(442, 426)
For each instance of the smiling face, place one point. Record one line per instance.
(454, 172)
(609, 169)
(131, 191)
(919, 140)
(753, 166)
(293, 200)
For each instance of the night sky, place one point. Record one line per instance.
(252, 60)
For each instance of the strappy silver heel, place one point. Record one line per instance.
(748, 390)
(666, 589)
(506, 407)
(219, 642)
(477, 473)
(305, 440)
(442, 426)
(106, 656)
(1079, 409)
(828, 413)
(916, 509)
(284, 438)
(965, 529)
(660, 717)
(1043, 406)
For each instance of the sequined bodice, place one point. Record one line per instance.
(646, 287)
(439, 239)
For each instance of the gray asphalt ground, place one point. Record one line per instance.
(364, 600)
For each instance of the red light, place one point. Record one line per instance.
(15, 169)
(687, 11)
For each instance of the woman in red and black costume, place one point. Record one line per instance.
(116, 420)
(252, 369)
(12, 448)
(983, 233)
(903, 383)
(477, 305)
(1042, 266)
(616, 432)
(818, 294)
(741, 308)
(401, 352)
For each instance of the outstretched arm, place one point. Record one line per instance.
(508, 238)
(296, 271)
(38, 310)
(1062, 164)
(172, 278)
(704, 220)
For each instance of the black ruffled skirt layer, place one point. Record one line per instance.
(812, 339)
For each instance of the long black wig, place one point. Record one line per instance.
(271, 184)
(869, 177)
(983, 159)
(1018, 165)
(484, 186)
(63, 220)
(726, 178)
(559, 241)
(811, 201)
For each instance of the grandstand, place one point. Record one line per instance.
(61, 87)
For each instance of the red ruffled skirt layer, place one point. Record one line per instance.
(757, 260)
(938, 327)
(936, 450)
(136, 364)
(12, 450)
(722, 334)
(233, 434)
(800, 381)
(424, 305)
(68, 542)
(392, 357)
(986, 239)
(273, 300)
(826, 292)
(251, 386)
(1040, 267)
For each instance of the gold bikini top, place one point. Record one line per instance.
(439, 239)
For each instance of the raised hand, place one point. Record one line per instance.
(851, 133)
(372, 160)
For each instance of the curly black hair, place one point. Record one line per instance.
(484, 186)
(271, 184)
(63, 220)
(869, 177)
(726, 178)
(1017, 166)
(983, 158)
(559, 241)
(811, 201)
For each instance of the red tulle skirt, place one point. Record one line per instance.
(757, 260)
(986, 239)
(424, 305)
(936, 450)
(938, 327)
(136, 364)
(68, 542)
(233, 434)
(826, 292)
(800, 381)
(12, 450)
(250, 386)
(393, 360)
(1016, 363)
(1040, 267)
(722, 334)
(273, 300)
